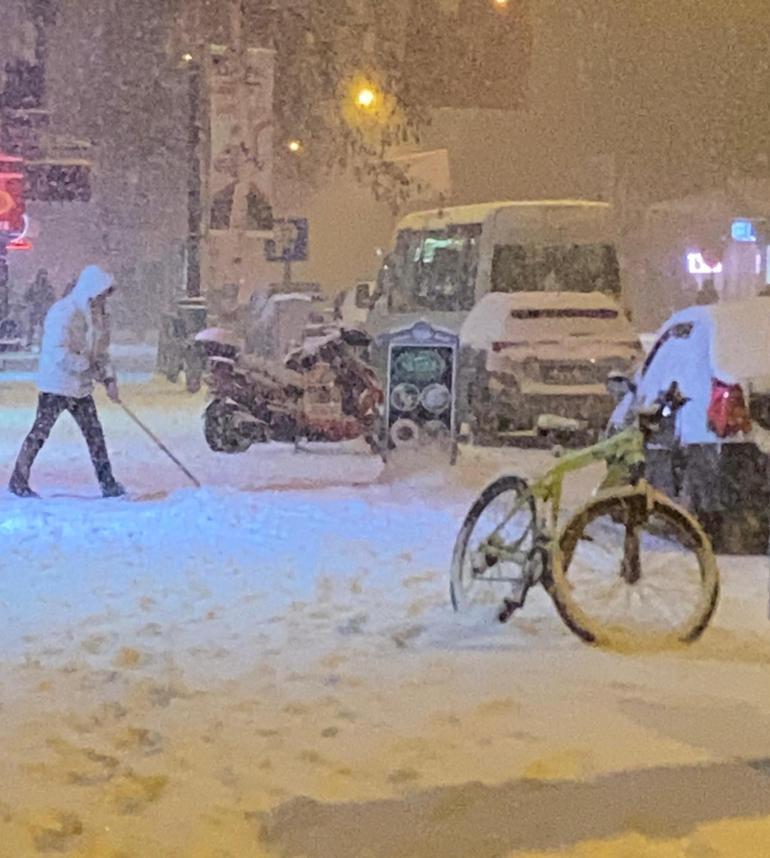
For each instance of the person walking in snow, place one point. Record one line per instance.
(73, 355)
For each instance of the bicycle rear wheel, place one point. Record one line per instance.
(493, 545)
(635, 570)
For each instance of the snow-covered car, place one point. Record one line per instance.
(536, 365)
(280, 322)
(714, 459)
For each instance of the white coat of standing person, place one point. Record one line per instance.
(73, 356)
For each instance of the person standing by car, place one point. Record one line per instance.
(38, 300)
(707, 294)
(74, 354)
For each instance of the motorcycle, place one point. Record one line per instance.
(323, 391)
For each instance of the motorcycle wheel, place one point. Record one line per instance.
(284, 428)
(220, 431)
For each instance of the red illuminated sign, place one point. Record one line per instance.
(11, 195)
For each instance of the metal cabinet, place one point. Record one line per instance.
(421, 387)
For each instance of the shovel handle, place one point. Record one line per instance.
(193, 479)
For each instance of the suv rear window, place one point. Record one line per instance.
(562, 313)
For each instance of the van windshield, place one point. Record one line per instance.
(556, 268)
(433, 269)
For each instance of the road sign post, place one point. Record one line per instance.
(289, 244)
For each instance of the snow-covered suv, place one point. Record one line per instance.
(713, 461)
(537, 365)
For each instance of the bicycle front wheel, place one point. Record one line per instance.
(635, 570)
(493, 546)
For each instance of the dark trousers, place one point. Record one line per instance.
(49, 408)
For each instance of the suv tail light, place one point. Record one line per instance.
(727, 412)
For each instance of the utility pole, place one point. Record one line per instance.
(194, 180)
(229, 152)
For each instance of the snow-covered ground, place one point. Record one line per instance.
(269, 666)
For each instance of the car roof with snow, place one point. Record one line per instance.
(739, 334)
(434, 219)
(280, 297)
(498, 314)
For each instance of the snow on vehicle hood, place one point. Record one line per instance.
(550, 326)
(291, 296)
(740, 343)
(738, 336)
(218, 335)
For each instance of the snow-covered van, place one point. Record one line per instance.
(538, 364)
(716, 458)
(444, 261)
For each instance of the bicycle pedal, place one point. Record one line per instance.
(510, 606)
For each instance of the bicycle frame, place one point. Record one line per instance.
(624, 454)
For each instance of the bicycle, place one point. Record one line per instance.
(527, 546)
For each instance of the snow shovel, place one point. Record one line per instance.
(159, 444)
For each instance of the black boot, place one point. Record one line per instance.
(113, 489)
(20, 487)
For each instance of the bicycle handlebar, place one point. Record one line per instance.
(650, 420)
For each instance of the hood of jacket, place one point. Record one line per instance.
(93, 281)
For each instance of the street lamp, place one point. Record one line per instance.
(366, 97)
(294, 146)
(500, 4)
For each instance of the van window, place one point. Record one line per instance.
(435, 269)
(556, 268)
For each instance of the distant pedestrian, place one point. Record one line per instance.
(74, 354)
(707, 294)
(38, 300)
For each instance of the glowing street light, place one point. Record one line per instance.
(366, 97)
(500, 4)
(294, 146)
(187, 58)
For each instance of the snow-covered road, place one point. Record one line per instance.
(270, 666)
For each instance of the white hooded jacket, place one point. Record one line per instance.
(74, 350)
